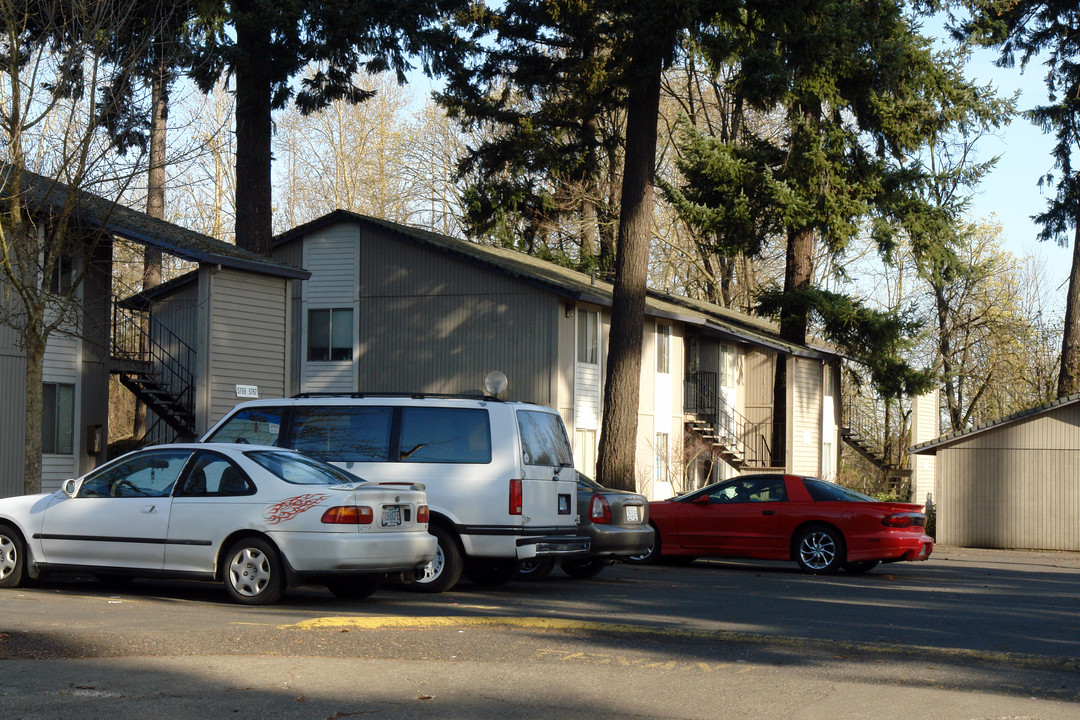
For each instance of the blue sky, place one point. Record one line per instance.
(1010, 193)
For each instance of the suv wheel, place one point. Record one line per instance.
(444, 571)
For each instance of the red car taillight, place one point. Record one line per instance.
(599, 511)
(904, 520)
(515, 497)
(348, 515)
(423, 515)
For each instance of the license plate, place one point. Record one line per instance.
(391, 516)
(633, 513)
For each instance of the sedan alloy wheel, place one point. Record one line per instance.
(820, 550)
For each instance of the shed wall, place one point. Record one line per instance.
(1014, 486)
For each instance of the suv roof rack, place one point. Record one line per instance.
(413, 395)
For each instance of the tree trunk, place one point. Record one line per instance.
(618, 436)
(254, 221)
(798, 273)
(155, 200)
(35, 359)
(1069, 379)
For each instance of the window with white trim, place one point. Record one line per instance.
(57, 418)
(663, 349)
(661, 458)
(330, 334)
(588, 337)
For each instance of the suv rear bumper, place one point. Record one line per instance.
(555, 546)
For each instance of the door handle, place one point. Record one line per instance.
(768, 512)
(149, 509)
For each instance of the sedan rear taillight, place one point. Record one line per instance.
(423, 515)
(515, 497)
(348, 515)
(904, 519)
(599, 511)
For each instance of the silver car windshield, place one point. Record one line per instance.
(300, 470)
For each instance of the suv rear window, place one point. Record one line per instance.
(543, 439)
(342, 434)
(444, 435)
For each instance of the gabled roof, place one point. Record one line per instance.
(42, 194)
(930, 447)
(574, 284)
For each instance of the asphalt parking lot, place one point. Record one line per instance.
(971, 633)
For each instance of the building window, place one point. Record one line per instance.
(585, 451)
(727, 366)
(57, 418)
(663, 349)
(830, 381)
(63, 277)
(661, 459)
(588, 337)
(330, 334)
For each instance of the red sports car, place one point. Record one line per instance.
(820, 525)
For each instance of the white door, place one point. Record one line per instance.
(119, 516)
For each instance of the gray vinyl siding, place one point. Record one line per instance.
(247, 335)
(12, 418)
(1013, 487)
(292, 253)
(97, 318)
(331, 255)
(433, 323)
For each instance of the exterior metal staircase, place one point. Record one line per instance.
(730, 436)
(859, 430)
(154, 364)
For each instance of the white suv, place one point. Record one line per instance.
(500, 478)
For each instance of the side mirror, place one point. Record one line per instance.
(702, 499)
(69, 488)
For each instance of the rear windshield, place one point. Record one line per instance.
(299, 470)
(257, 425)
(543, 439)
(823, 491)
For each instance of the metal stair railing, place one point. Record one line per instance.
(864, 430)
(144, 346)
(747, 444)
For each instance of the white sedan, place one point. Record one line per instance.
(256, 518)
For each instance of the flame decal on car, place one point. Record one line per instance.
(289, 508)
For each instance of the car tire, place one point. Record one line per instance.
(444, 571)
(583, 569)
(651, 555)
(819, 550)
(860, 568)
(490, 573)
(12, 558)
(535, 569)
(253, 572)
(354, 588)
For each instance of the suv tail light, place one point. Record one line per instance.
(515, 497)
(904, 520)
(599, 510)
(423, 515)
(348, 515)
